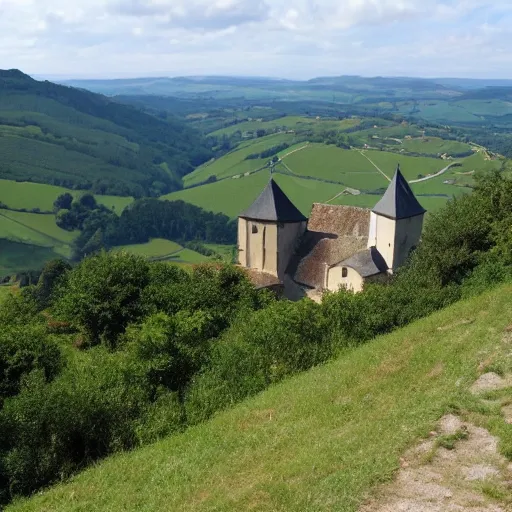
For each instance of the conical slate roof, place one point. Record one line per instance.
(273, 205)
(399, 201)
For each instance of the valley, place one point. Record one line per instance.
(58, 140)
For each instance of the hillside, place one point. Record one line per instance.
(63, 136)
(322, 440)
(337, 161)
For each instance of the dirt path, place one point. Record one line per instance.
(459, 469)
(295, 151)
(375, 165)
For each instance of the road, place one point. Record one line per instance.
(442, 171)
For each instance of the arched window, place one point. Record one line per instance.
(254, 229)
(344, 272)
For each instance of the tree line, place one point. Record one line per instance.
(141, 221)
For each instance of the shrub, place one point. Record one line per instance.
(52, 430)
(235, 371)
(24, 349)
(169, 348)
(103, 295)
(280, 340)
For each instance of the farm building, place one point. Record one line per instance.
(338, 246)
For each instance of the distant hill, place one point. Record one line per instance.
(64, 136)
(349, 88)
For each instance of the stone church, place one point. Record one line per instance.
(338, 246)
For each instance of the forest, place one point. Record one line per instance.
(71, 137)
(143, 220)
(88, 370)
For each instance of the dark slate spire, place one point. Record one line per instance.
(273, 205)
(399, 201)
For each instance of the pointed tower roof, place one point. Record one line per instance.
(399, 201)
(273, 205)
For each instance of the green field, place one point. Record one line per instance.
(296, 123)
(188, 256)
(26, 195)
(351, 168)
(320, 441)
(225, 251)
(434, 146)
(17, 257)
(234, 195)
(235, 163)
(156, 248)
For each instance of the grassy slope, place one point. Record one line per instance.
(16, 257)
(27, 195)
(318, 441)
(156, 248)
(434, 145)
(231, 196)
(234, 162)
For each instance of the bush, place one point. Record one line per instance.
(103, 294)
(169, 349)
(234, 372)
(24, 349)
(280, 340)
(53, 272)
(52, 430)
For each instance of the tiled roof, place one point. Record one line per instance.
(399, 201)
(334, 234)
(261, 279)
(367, 263)
(273, 205)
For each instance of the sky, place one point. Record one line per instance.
(296, 39)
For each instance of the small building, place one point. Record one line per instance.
(338, 246)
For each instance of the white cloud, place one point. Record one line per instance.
(291, 38)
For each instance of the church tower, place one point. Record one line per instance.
(268, 232)
(396, 222)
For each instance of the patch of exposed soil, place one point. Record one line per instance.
(437, 479)
(490, 382)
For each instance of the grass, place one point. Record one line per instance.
(235, 163)
(287, 123)
(225, 251)
(319, 441)
(4, 292)
(16, 257)
(434, 146)
(156, 248)
(229, 196)
(17, 195)
(332, 163)
(35, 230)
(234, 195)
(188, 256)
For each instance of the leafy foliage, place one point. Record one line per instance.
(164, 348)
(88, 141)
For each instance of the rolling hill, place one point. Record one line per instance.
(326, 439)
(59, 135)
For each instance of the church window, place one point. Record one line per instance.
(254, 229)
(344, 272)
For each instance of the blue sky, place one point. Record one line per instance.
(283, 38)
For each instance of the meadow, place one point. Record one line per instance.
(235, 163)
(233, 195)
(434, 146)
(17, 257)
(19, 195)
(154, 249)
(323, 440)
(306, 170)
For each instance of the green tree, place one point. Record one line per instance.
(63, 202)
(103, 295)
